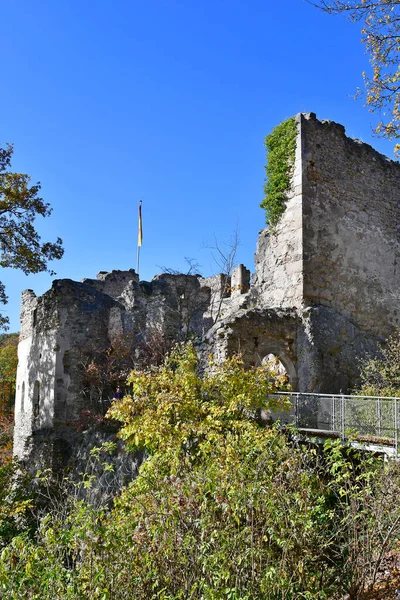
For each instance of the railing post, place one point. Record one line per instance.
(333, 419)
(342, 421)
(396, 435)
(379, 411)
(296, 418)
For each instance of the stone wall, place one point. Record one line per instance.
(73, 322)
(334, 255)
(36, 373)
(351, 227)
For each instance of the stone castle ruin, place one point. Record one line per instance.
(326, 290)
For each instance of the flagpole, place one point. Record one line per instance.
(137, 260)
(140, 236)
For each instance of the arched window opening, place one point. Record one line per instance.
(36, 400)
(23, 396)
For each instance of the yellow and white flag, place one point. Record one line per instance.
(140, 230)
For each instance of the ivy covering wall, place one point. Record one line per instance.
(281, 147)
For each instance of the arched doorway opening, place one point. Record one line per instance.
(277, 361)
(275, 369)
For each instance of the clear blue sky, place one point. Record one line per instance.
(168, 101)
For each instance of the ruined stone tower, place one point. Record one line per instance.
(327, 282)
(325, 291)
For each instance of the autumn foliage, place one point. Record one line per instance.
(20, 244)
(8, 373)
(223, 508)
(381, 36)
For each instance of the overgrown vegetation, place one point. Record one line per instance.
(281, 147)
(380, 374)
(223, 508)
(8, 375)
(172, 408)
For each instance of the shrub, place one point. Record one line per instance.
(380, 374)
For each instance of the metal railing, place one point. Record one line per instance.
(370, 419)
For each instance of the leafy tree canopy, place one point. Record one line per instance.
(8, 356)
(20, 243)
(381, 36)
(8, 375)
(223, 508)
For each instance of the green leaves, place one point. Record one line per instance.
(380, 374)
(173, 408)
(222, 508)
(236, 523)
(380, 34)
(281, 147)
(20, 244)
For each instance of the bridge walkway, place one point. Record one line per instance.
(371, 421)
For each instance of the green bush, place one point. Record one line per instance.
(257, 517)
(222, 509)
(380, 374)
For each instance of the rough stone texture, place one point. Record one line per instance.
(73, 320)
(278, 281)
(351, 227)
(325, 291)
(255, 333)
(240, 280)
(69, 451)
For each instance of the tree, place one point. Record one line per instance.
(8, 356)
(20, 243)
(224, 256)
(223, 508)
(8, 375)
(381, 36)
(380, 374)
(172, 407)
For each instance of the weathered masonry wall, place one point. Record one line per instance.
(351, 227)
(338, 241)
(63, 329)
(36, 374)
(279, 256)
(333, 258)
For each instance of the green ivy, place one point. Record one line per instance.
(281, 147)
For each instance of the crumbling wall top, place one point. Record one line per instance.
(331, 127)
(112, 283)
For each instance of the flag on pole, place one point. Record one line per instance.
(140, 230)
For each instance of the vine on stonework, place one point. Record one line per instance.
(281, 147)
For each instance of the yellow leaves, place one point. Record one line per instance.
(173, 408)
(381, 34)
